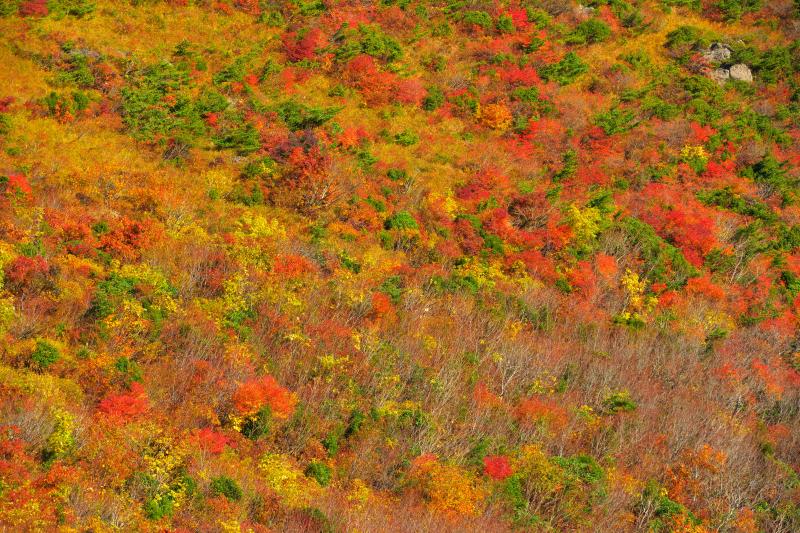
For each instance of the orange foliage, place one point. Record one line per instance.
(265, 391)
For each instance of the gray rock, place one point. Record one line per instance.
(720, 75)
(717, 53)
(741, 72)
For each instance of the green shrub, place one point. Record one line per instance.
(734, 9)
(300, 116)
(397, 174)
(148, 115)
(349, 263)
(434, 99)
(393, 288)
(406, 138)
(482, 19)
(9, 7)
(311, 8)
(656, 107)
(225, 486)
(505, 24)
(682, 42)
(75, 8)
(5, 124)
(581, 467)
(589, 32)
(683, 36)
(257, 426)
(243, 139)
(727, 199)
(332, 440)
(615, 120)
(402, 220)
(45, 354)
(772, 175)
(319, 471)
(159, 507)
(357, 419)
(379, 45)
(368, 39)
(618, 402)
(569, 166)
(77, 71)
(129, 370)
(660, 260)
(660, 508)
(565, 71)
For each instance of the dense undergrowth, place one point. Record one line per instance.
(405, 265)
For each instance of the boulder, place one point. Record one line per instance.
(741, 72)
(720, 75)
(717, 53)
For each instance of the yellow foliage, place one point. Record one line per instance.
(638, 304)
(7, 313)
(164, 460)
(229, 526)
(219, 182)
(56, 391)
(694, 152)
(484, 274)
(251, 225)
(539, 473)
(359, 494)
(62, 440)
(449, 489)
(233, 299)
(288, 481)
(586, 223)
(162, 293)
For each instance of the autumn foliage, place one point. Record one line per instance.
(404, 265)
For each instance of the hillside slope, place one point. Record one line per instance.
(407, 265)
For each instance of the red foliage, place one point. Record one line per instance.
(537, 264)
(251, 7)
(515, 75)
(22, 269)
(212, 441)
(681, 220)
(467, 236)
(126, 240)
(127, 405)
(256, 393)
(704, 286)
(606, 265)
(299, 47)
(484, 397)
(352, 137)
(409, 91)
(701, 133)
(212, 119)
(728, 372)
(381, 304)
(497, 467)
(376, 86)
(719, 171)
(539, 409)
(34, 8)
(18, 183)
(582, 279)
(292, 266)
(483, 185)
